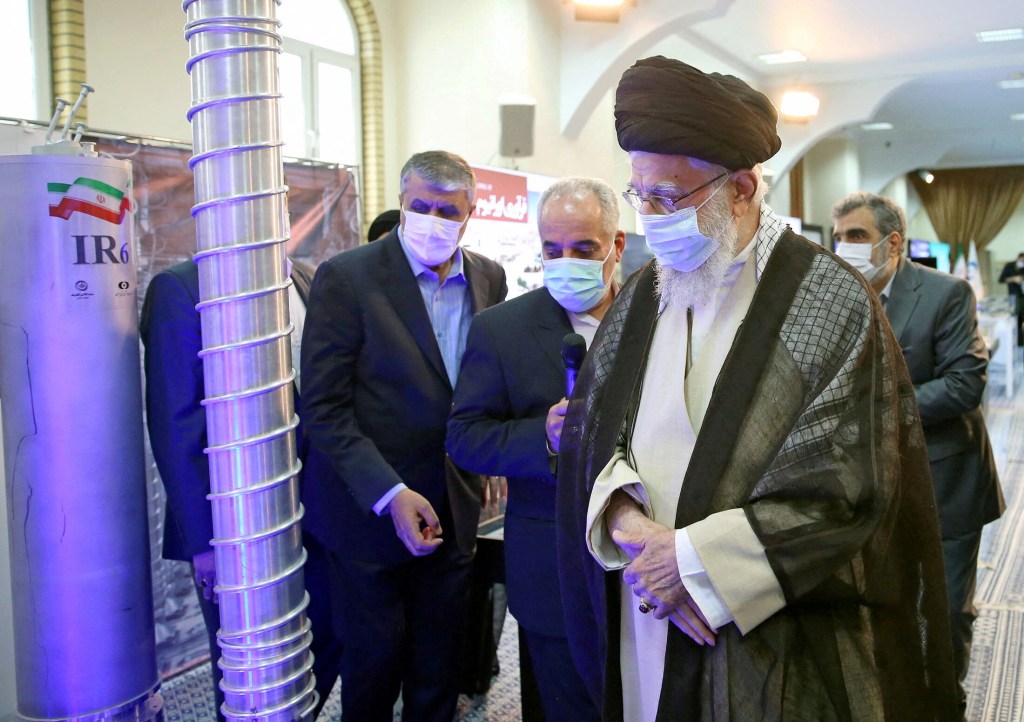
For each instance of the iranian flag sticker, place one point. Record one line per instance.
(89, 196)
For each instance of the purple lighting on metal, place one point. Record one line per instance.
(242, 226)
(84, 646)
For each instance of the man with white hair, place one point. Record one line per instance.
(508, 413)
(746, 523)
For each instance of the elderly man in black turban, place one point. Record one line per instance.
(746, 523)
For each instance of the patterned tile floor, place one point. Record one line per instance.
(995, 681)
(188, 697)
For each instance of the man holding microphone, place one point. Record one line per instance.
(508, 411)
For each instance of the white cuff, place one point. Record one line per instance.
(381, 507)
(737, 567)
(616, 475)
(698, 584)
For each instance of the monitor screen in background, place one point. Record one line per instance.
(920, 249)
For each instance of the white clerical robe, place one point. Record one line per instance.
(662, 443)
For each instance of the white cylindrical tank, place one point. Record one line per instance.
(73, 444)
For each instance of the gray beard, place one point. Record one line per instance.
(687, 289)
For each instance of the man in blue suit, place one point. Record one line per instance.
(385, 329)
(508, 414)
(934, 318)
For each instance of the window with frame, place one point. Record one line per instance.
(19, 97)
(319, 70)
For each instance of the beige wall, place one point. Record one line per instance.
(135, 58)
(920, 226)
(831, 171)
(443, 81)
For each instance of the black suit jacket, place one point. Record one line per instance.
(1010, 270)
(934, 317)
(511, 375)
(170, 331)
(375, 400)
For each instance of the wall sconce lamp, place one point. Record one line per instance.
(798, 106)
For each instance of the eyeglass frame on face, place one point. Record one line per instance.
(636, 200)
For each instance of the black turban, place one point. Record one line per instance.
(383, 224)
(668, 107)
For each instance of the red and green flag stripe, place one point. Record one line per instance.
(89, 196)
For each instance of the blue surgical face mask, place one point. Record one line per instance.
(576, 283)
(676, 241)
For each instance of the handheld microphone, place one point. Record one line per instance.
(574, 349)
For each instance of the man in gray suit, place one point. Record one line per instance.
(933, 317)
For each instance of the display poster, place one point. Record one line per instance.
(503, 226)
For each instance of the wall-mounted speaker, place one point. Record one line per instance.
(516, 129)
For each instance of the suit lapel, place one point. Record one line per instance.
(302, 276)
(903, 298)
(550, 327)
(404, 293)
(479, 284)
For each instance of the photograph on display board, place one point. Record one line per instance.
(504, 226)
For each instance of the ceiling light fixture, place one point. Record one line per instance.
(925, 176)
(799, 106)
(1000, 36)
(1017, 116)
(880, 125)
(786, 56)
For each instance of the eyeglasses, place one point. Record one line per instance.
(663, 204)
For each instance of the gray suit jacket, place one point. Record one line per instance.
(934, 318)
